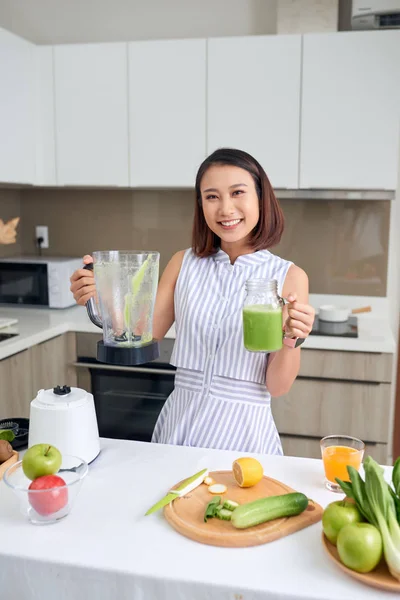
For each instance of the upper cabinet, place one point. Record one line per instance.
(350, 110)
(317, 111)
(45, 154)
(167, 112)
(91, 114)
(253, 93)
(17, 123)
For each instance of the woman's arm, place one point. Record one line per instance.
(164, 313)
(283, 366)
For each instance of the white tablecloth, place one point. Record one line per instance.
(106, 549)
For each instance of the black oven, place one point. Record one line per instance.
(128, 400)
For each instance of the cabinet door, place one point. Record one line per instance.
(315, 408)
(167, 112)
(16, 385)
(17, 152)
(353, 366)
(51, 363)
(44, 117)
(350, 110)
(253, 93)
(91, 114)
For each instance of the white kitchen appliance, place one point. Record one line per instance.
(375, 14)
(37, 281)
(65, 417)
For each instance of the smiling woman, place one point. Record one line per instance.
(222, 393)
(250, 211)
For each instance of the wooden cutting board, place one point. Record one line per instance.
(186, 514)
(4, 466)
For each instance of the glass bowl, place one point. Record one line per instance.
(47, 506)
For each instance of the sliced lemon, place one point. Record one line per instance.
(247, 471)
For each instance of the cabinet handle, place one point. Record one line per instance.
(83, 365)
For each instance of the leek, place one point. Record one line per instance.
(376, 502)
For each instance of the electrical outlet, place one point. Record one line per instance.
(42, 231)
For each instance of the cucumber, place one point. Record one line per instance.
(230, 504)
(224, 514)
(267, 509)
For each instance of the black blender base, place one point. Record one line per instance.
(127, 356)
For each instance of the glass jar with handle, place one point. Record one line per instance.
(262, 316)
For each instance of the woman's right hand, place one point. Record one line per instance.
(82, 283)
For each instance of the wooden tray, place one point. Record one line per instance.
(186, 514)
(379, 578)
(4, 466)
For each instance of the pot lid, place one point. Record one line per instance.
(61, 396)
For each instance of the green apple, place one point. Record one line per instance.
(360, 547)
(338, 514)
(41, 459)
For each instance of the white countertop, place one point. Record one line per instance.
(37, 325)
(106, 548)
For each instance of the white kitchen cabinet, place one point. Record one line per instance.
(350, 110)
(17, 135)
(253, 93)
(45, 152)
(167, 112)
(91, 113)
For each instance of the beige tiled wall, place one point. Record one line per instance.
(81, 221)
(10, 206)
(343, 246)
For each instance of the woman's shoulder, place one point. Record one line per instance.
(175, 263)
(297, 274)
(176, 260)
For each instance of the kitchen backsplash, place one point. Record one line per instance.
(342, 245)
(10, 206)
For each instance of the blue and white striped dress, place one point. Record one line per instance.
(220, 399)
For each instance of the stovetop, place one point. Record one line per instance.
(348, 328)
(7, 336)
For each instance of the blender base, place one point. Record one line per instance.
(127, 356)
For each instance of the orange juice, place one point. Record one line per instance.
(336, 459)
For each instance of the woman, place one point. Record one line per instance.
(222, 394)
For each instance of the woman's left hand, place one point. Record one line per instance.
(300, 317)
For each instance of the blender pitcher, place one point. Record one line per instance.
(126, 286)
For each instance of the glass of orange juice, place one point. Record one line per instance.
(338, 451)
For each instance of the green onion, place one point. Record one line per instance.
(211, 508)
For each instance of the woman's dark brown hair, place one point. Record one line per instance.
(269, 229)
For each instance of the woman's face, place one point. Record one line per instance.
(230, 202)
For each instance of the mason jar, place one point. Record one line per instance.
(262, 316)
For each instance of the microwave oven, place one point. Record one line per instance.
(37, 281)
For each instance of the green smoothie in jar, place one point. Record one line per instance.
(262, 317)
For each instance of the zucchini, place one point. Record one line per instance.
(267, 509)
(224, 514)
(230, 504)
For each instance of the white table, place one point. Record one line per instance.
(106, 549)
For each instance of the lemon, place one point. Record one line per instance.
(247, 471)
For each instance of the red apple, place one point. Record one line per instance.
(47, 503)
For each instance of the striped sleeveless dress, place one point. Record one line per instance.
(220, 399)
